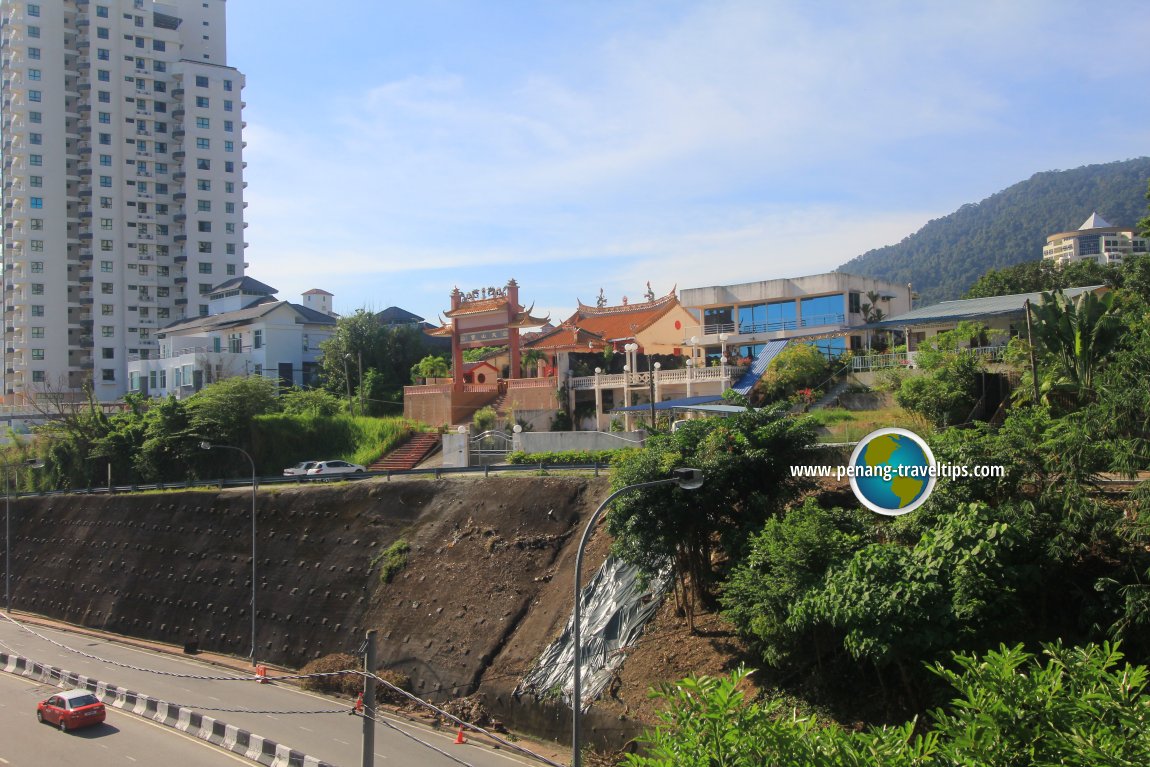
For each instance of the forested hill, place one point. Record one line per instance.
(944, 258)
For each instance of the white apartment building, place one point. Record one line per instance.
(1096, 240)
(122, 183)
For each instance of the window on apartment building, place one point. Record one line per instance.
(162, 313)
(106, 223)
(38, 355)
(37, 224)
(227, 85)
(35, 138)
(102, 11)
(257, 339)
(37, 288)
(106, 266)
(204, 206)
(106, 310)
(103, 33)
(108, 353)
(35, 117)
(36, 159)
(106, 245)
(103, 54)
(230, 249)
(159, 45)
(161, 127)
(33, 31)
(161, 167)
(106, 288)
(107, 374)
(105, 118)
(37, 332)
(162, 291)
(162, 229)
(105, 138)
(161, 187)
(205, 247)
(39, 376)
(34, 95)
(201, 81)
(202, 164)
(229, 228)
(104, 75)
(229, 187)
(36, 202)
(231, 270)
(229, 146)
(107, 331)
(205, 268)
(33, 9)
(203, 310)
(227, 105)
(141, 186)
(37, 310)
(855, 301)
(105, 202)
(33, 74)
(229, 166)
(159, 66)
(229, 126)
(229, 207)
(106, 160)
(203, 143)
(34, 54)
(205, 288)
(35, 181)
(106, 181)
(203, 122)
(204, 226)
(37, 246)
(203, 185)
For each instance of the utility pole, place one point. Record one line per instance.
(1033, 359)
(369, 700)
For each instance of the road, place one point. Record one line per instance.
(332, 737)
(123, 739)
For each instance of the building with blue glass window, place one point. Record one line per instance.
(823, 309)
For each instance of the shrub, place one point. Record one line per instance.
(566, 457)
(392, 560)
(339, 684)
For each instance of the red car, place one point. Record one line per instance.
(72, 709)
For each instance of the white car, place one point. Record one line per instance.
(325, 468)
(299, 469)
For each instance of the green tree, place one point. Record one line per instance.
(431, 366)
(746, 461)
(390, 351)
(222, 412)
(798, 366)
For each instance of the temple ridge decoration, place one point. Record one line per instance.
(487, 316)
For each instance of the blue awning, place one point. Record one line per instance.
(671, 404)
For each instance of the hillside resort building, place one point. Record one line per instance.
(1095, 240)
(123, 184)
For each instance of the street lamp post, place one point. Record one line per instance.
(31, 463)
(687, 479)
(255, 484)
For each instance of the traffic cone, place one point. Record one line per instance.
(459, 739)
(262, 673)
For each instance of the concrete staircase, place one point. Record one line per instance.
(409, 454)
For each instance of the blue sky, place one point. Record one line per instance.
(396, 150)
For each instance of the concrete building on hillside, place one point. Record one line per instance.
(123, 187)
(247, 332)
(1095, 240)
(824, 309)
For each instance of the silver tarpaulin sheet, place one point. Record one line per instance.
(616, 605)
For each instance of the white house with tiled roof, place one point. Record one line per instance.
(247, 332)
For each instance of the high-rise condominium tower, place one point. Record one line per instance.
(122, 183)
